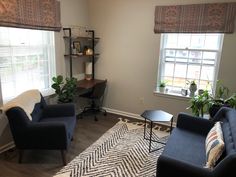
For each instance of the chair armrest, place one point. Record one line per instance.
(194, 124)
(48, 135)
(59, 110)
(170, 167)
(226, 167)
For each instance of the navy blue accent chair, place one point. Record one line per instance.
(51, 128)
(184, 154)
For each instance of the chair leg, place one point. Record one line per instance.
(63, 155)
(20, 155)
(80, 116)
(104, 111)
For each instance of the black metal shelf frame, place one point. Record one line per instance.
(70, 38)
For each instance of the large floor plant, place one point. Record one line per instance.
(65, 89)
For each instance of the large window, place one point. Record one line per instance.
(27, 60)
(188, 57)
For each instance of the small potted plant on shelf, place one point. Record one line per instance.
(162, 86)
(65, 89)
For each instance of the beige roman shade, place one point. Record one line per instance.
(195, 18)
(31, 14)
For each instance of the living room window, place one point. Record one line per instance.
(27, 60)
(189, 57)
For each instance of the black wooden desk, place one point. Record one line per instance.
(88, 84)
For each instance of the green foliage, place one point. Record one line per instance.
(191, 82)
(162, 84)
(222, 92)
(231, 101)
(200, 104)
(222, 96)
(65, 89)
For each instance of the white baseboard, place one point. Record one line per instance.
(7, 147)
(113, 111)
(123, 113)
(131, 115)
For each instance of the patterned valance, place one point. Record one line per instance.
(31, 14)
(195, 18)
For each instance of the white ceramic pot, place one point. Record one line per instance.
(162, 89)
(192, 89)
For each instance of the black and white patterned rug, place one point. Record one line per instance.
(121, 151)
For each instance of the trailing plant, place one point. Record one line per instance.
(65, 89)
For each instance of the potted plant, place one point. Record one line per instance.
(65, 89)
(231, 101)
(199, 104)
(192, 87)
(221, 99)
(162, 86)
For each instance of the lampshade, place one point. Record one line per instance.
(88, 68)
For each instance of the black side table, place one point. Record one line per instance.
(155, 116)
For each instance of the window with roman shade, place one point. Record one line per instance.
(191, 43)
(27, 46)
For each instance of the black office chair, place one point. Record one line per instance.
(96, 96)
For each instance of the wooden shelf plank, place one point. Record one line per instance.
(76, 55)
(81, 38)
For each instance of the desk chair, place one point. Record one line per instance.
(96, 96)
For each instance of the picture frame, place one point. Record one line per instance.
(77, 46)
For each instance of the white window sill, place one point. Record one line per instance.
(171, 95)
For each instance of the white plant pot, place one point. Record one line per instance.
(192, 89)
(162, 89)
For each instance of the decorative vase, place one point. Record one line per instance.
(192, 89)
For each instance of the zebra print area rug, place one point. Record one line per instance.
(121, 151)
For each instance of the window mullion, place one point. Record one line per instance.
(200, 74)
(186, 75)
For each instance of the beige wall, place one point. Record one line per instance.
(130, 51)
(73, 13)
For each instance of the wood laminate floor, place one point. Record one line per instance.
(47, 163)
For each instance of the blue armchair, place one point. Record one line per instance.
(51, 127)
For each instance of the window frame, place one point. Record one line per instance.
(161, 64)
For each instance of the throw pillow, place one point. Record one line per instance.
(214, 145)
